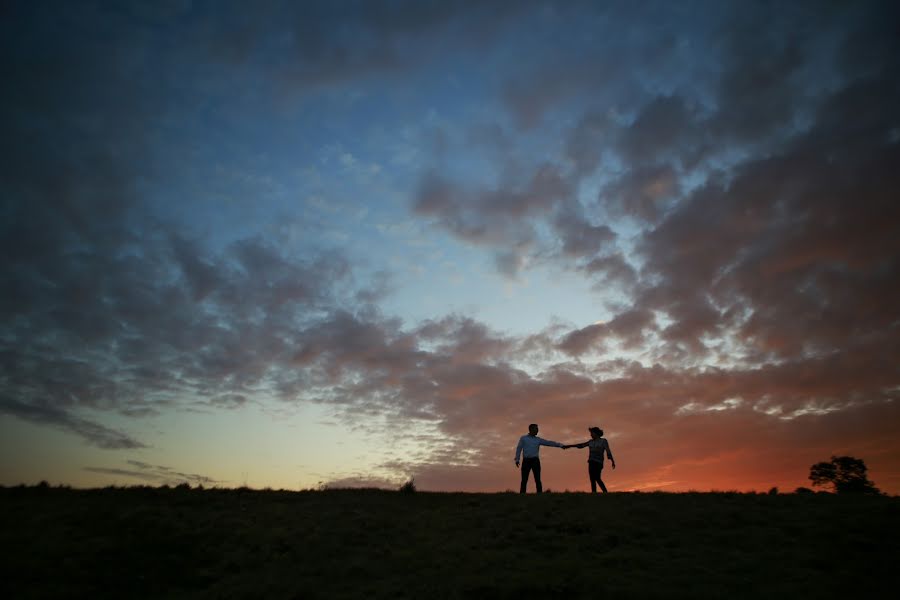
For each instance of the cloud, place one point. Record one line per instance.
(94, 433)
(758, 92)
(663, 127)
(613, 269)
(586, 142)
(581, 238)
(764, 271)
(229, 401)
(730, 196)
(640, 414)
(110, 306)
(157, 474)
(793, 246)
(627, 326)
(317, 46)
(607, 54)
(147, 341)
(580, 341)
(756, 202)
(478, 401)
(498, 215)
(644, 192)
(532, 94)
(152, 477)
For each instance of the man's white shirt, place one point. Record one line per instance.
(530, 445)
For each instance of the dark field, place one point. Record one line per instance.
(170, 543)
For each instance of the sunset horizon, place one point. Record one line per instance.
(307, 245)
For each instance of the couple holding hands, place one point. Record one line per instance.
(530, 445)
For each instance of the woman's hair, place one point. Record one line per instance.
(596, 430)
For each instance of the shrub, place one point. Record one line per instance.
(409, 487)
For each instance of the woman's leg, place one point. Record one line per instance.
(594, 470)
(598, 474)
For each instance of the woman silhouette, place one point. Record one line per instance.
(598, 446)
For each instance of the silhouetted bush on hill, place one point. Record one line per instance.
(846, 475)
(409, 487)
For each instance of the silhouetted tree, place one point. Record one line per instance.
(845, 473)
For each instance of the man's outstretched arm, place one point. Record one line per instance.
(544, 442)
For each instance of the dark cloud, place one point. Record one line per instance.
(493, 216)
(463, 339)
(587, 142)
(760, 193)
(575, 52)
(510, 263)
(758, 93)
(94, 433)
(229, 401)
(157, 474)
(581, 238)
(628, 327)
(796, 244)
(151, 477)
(144, 341)
(644, 192)
(315, 45)
(664, 126)
(613, 270)
(532, 94)
(581, 340)
(109, 307)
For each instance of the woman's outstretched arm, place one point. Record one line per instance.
(581, 445)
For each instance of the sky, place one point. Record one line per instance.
(306, 244)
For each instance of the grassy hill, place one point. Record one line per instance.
(152, 542)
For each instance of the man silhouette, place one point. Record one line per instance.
(529, 447)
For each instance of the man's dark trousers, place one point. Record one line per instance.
(529, 465)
